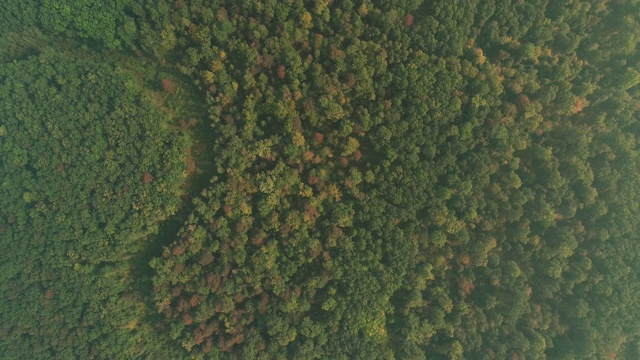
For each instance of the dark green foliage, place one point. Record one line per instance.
(96, 20)
(89, 167)
(388, 179)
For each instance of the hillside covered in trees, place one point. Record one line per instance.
(318, 179)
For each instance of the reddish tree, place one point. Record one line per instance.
(315, 252)
(311, 214)
(222, 14)
(357, 155)
(178, 250)
(348, 182)
(578, 106)
(49, 294)
(408, 20)
(237, 339)
(257, 240)
(168, 86)
(183, 305)
(308, 104)
(326, 256)
(185, 124)
(350, 80)
(261, 345)
(208, 345)
(213, 281)
(176, 291)
(318, 138)
(308, 155)
(147, 178)
(178, 268)
(198, 337)
(206, 259)
(297, 124)
(262, 305)
(281, 72)
(223, 345)
(466, 286)
(191, 163)
(285, 229)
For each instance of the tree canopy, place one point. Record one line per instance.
(321, 179)
(89, 167)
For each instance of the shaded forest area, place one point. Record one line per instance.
(320, 179)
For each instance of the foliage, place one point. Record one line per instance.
(78, 141)
(406, 179)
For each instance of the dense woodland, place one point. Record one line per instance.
(297, 179)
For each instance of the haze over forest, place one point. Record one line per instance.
(319, 179)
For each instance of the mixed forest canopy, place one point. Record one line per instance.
(297, 179)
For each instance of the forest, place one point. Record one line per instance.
(320, 179)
